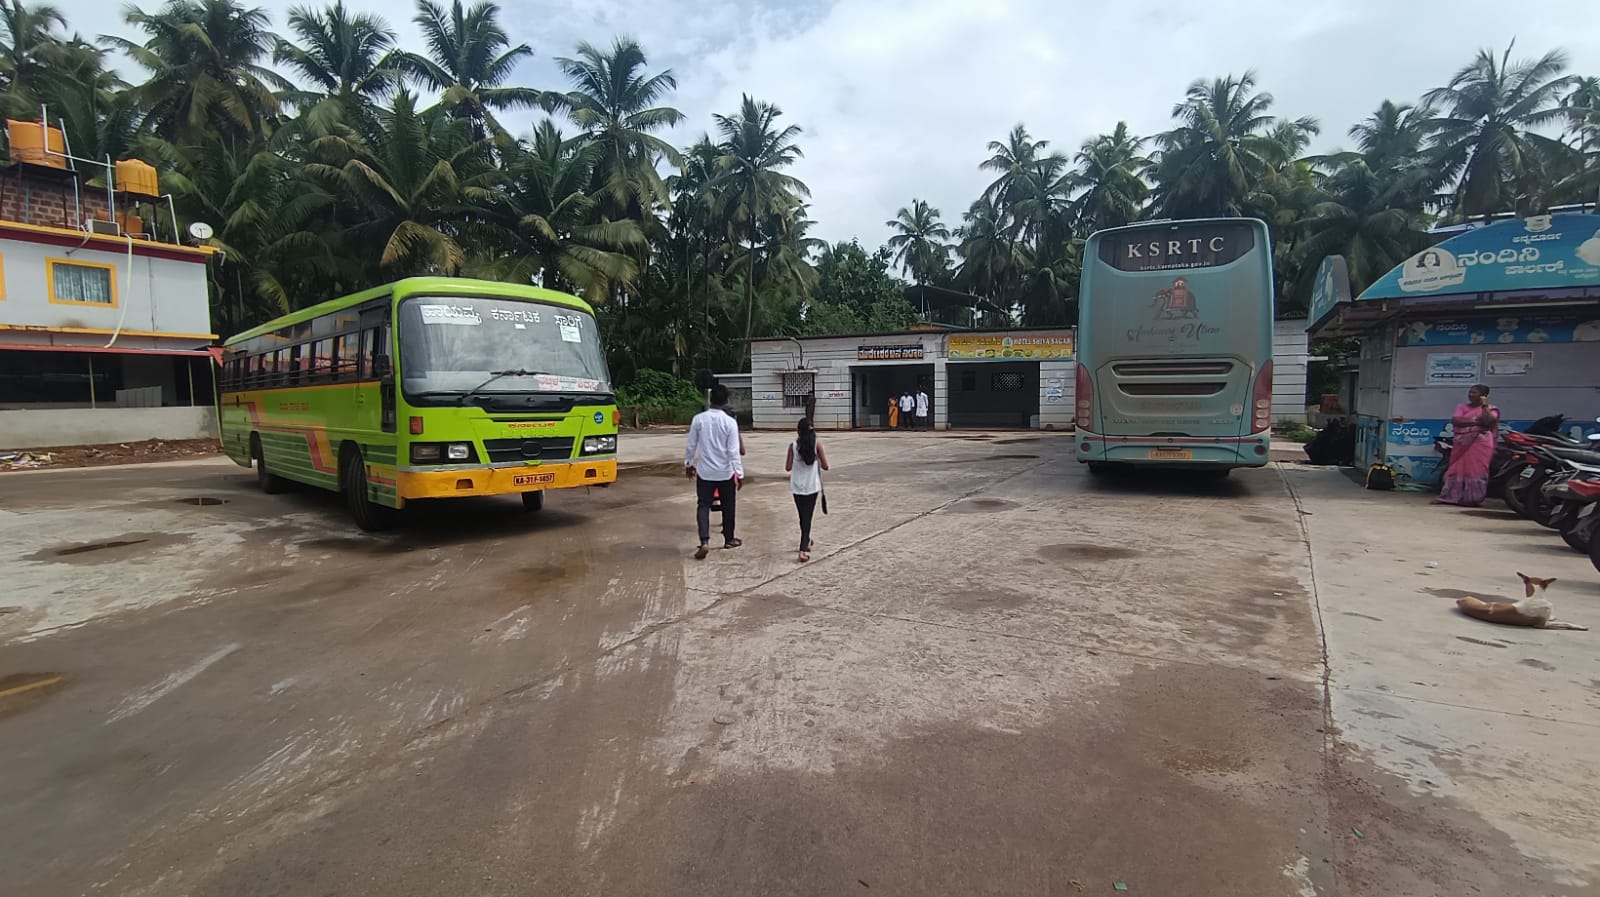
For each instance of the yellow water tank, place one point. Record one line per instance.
(137, 177)
(28, 140)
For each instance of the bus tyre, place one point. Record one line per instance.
(369, 516)
(270, 483)
(533, 502)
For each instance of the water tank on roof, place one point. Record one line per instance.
(138, 178)
(29, 139)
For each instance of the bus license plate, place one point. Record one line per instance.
(533, 479)
(1164, 454)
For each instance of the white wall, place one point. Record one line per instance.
(42, 428)
(162, 295)
(832, 359)
(1055, 413)
(1290, 348)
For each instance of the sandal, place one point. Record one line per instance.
(701, 552)
(804, 557)
(733, 543)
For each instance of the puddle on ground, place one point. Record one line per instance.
(982, 506)
(1087, 551)
(1258, 518)
(354, 544)
(1012, 457)
(1537, 664)
(203, 501)
(1015, 441)
(21, 692)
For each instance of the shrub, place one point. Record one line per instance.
(659, 397)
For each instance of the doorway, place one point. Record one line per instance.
(876, 383)
(994, 395)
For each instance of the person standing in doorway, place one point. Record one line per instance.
(712, 459)
(924, 408)
(908, 410)
(805, 464)
(1477, 424)
(894, 412)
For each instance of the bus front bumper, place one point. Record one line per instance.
(1164, 451)
(468, 481)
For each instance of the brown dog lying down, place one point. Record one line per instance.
(1533, 610)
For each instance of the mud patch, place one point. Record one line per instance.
(1537, 664)
(21, 692)
(1016, 441)
(1351, 613)
(1087, 552)
(97, 546)
(1259, 518)
(982, 506)
(110, 551)
(984, 600)
(355, 545)
(1479, 641)
(1454, 594)
(1012, 457)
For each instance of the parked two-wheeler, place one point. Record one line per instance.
(1576, 500)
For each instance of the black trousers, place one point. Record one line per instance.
(807, 506)
(702, 511)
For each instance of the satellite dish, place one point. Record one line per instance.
(200, 230)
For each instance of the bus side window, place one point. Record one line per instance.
(347, 357)
(294, 363)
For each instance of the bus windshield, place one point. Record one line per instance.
(457, 344)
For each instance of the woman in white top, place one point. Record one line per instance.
(805, 464)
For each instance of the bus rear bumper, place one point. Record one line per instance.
(504, 480)
(1162, 451)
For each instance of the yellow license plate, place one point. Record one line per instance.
(1171, 455)
(533, 479)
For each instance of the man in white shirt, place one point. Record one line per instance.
(923, 408)
(711, 458)
(908, 407)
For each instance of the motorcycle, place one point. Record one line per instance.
(1575, 516)
(1551, 465)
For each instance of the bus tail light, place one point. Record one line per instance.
(416, 425)
(1261, 401)
(1084, 396)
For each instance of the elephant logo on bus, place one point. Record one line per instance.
(1175, 302)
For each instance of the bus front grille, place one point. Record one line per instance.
(1171, 368)
(549, 448)
(1190, 388)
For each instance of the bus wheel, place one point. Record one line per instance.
(370, 517)
(270, 483)
(532, 502)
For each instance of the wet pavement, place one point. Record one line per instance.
(996, 676)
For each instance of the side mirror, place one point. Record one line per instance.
(381, 367)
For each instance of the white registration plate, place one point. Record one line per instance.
(533, 479)
(1527, 473)
(1166, 454)
(1587, 510)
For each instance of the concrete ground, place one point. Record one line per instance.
(996, 676)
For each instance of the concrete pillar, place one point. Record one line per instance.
(941, 394)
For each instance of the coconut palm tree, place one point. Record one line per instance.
(753, 188)
(991, 261)
(1221, 152)
(1108, 185)
(348, 57)
(1486, 132)
(470, 58)
(558, 236)
(920, 242)
(205, 73)
(616, 103)
(417, 181)
(30, 52)
(1019, 160)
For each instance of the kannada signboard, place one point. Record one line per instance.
(1453, 369)
(1540, 252)
(888, 353)
(1010, 346)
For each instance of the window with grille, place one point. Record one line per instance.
(794, 401)
(1006, 381)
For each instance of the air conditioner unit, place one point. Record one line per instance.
(102, 227)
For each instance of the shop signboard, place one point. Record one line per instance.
(1010, 346)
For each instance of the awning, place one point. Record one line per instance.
(102, 350)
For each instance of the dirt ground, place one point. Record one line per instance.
(997, 676)
(108, 455)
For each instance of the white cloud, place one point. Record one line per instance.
(898, 99)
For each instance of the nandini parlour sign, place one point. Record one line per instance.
(1540, 252)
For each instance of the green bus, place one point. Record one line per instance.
(430, 387)
(1175, 346)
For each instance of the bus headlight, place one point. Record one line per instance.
(425, 451)
(599, 445)
(458, 451)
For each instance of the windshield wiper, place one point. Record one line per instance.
(496, 375)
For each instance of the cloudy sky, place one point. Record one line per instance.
(898, 99)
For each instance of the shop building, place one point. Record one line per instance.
(105, 324)
(1514, 305)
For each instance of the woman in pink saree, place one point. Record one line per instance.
(1477, 424)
